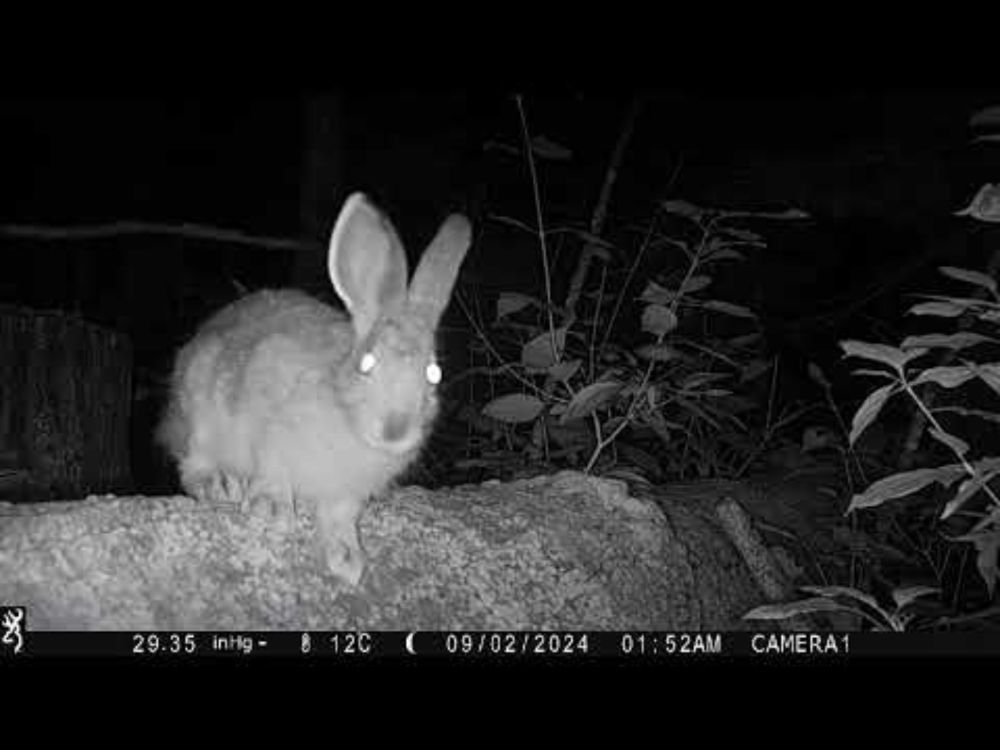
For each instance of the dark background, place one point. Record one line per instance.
(879, 172)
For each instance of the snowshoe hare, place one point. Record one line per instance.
(283, 403)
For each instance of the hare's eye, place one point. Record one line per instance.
(367, 363)
(433, 373)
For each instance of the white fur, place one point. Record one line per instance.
(268, 403)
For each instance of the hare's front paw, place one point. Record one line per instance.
(343, 557)
(273, 502)
(215, 487)
(337, 537)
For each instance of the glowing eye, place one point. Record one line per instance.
(367, 363)
(433, 373)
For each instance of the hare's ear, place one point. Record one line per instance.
(435, 276)
(367, 263)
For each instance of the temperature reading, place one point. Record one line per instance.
(351, 643)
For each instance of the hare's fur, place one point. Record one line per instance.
(271, 404)
(258, 386)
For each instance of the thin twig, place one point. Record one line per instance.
(536, 193)
(194, 231)
(600, 213)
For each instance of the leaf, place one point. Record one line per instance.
(726, 253)
(537, 356)
(657, 294)
(682, 208)
(599, 252)
(940, 308)
(966, 491)
(611, 425)
(505, 148)
(851, 593)
(876, 374)
(547, 149)
(565, 370)
(737, 311)
(789, 214)
(985, 206)
(884, 353)
(695, 283)
(987, 544)
(956, 445)
(976, 413)
(967, 301)
(785, 610)
(870, 409)
(514, 408)
(817, 376)
(905, 483)
(626, 475)
(816, 437)
(743, 235)
(946, 377)
(907, 594)
(862, 544)
(638, 457)
(697, 379)
(754, 369)
(658, 352)
(690, 406)
(987, 467)
(509, 303)
(972, 277)
(658, 320)
(591, 398)
(574, 434)
(986, 117)
(986, 561)
(745, 340)
(592, 239)
(989, 374)
(985, 470)
(953, 341)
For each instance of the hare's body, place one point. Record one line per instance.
(257, 402)
(287, 404)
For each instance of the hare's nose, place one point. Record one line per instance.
(396, 428)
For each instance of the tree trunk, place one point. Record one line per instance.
(64, 404)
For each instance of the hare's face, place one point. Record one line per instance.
(387, 386)
(393, 376)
